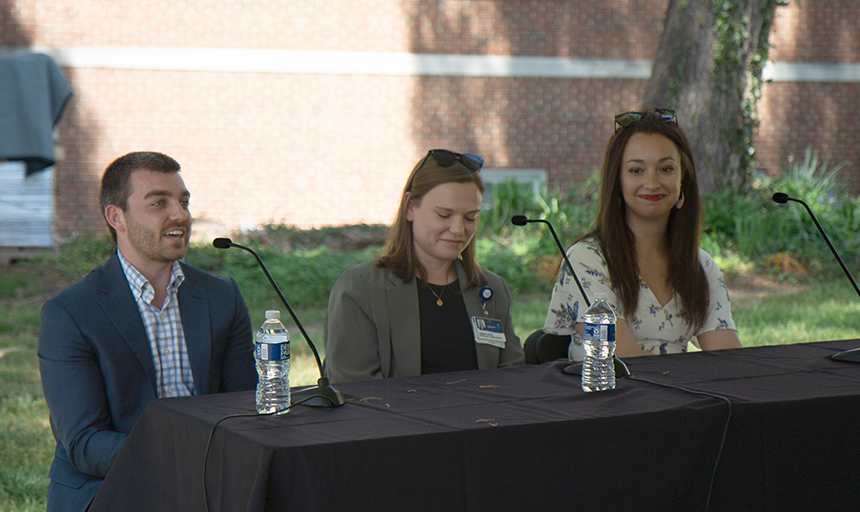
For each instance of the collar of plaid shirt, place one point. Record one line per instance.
(163, 330)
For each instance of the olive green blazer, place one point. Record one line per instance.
(372, 327)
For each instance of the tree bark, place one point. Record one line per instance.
(707, 68)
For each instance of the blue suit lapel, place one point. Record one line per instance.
(119, 306)
(193, 307)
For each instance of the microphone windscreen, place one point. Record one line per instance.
(780, 197)
(222, 243)
(519, 220)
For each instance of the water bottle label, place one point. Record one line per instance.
(273, 351)
(599, 332)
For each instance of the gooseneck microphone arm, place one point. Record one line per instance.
(226, 243)
(783, 198)
(621, 369)
(522, 220)
(323, 395)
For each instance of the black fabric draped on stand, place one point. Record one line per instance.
(33, 93)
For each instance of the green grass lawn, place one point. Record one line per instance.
(822, 312)
(26, 442)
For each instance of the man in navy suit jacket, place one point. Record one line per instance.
(141, 327)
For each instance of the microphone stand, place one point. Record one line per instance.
(782, 198)
(621, 369)
(521, 220)
(323, 395)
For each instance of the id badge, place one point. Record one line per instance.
(488, 331)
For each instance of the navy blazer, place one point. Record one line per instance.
(98, 374)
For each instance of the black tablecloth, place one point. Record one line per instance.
(525, 438)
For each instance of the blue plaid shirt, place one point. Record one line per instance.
(164, 330)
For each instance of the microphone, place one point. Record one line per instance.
(782, 198)
(621, 369)
(323, 395)
(522, 220)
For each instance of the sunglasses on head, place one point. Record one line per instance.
(630, 118)
(446, 158)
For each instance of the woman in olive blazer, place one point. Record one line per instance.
(378, 309)
(369, 303)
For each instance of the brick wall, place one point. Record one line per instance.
(817, 31)
(525, 27)
(313, 149)
(822, 116)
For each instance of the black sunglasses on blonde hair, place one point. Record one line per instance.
(446, 158)
(630, 118)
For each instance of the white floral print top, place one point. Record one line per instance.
(658, 329)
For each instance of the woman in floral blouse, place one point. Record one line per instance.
(644, 250)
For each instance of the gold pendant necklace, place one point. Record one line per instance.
(439, 295)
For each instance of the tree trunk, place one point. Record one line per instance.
(708, 68)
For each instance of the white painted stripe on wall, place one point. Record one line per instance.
(811, 72)
(338, 63)
(380, 63)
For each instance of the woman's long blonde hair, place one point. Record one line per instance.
(398, 254)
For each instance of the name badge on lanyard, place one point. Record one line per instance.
(488, 331)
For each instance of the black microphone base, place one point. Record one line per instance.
(852, 356)
(621, 369)
(322, 395)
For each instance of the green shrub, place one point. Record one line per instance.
(304, 276)
(78, 257)
(750, 225)
(740, 230)
(526, 255)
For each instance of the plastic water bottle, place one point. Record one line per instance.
(272, 352)
(598, 369)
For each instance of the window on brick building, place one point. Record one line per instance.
(533, 180)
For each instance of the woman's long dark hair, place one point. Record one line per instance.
(686, 275)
